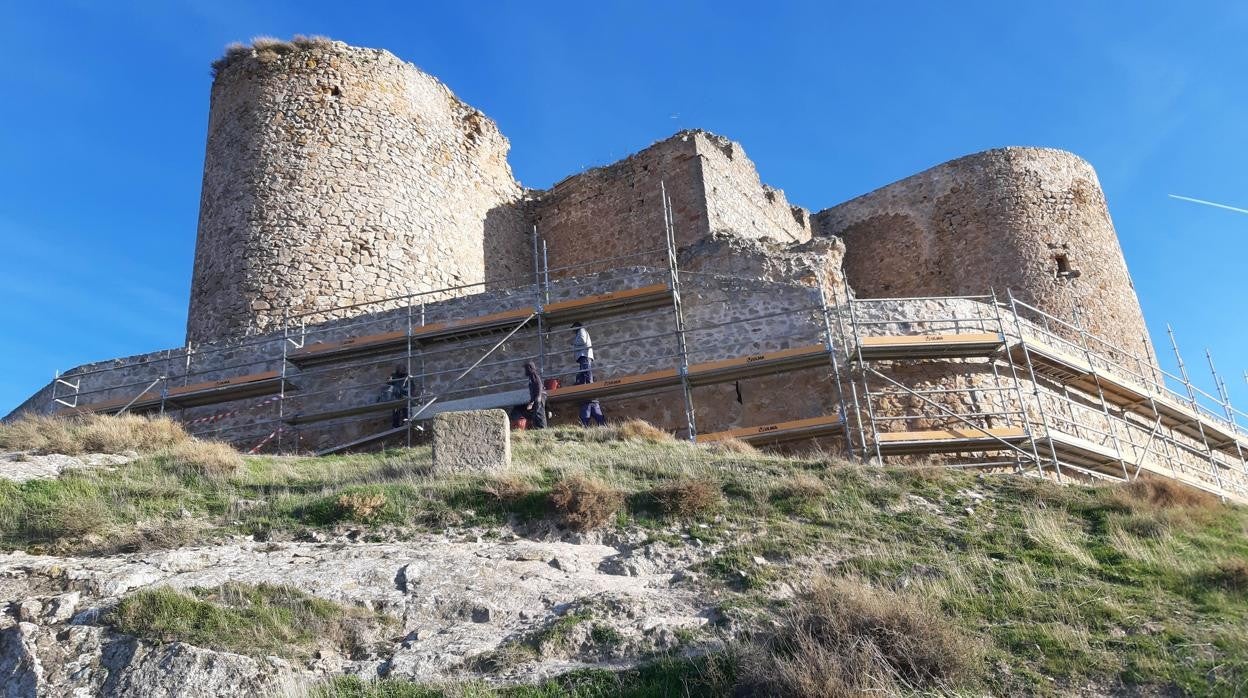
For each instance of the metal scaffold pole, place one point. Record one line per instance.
(409, 383)
(836, 368)
(539, 300)
(1191, 395)
(1018, 385)
(1228, 410)
(1110, 422)
(856, 338)
(849, 370)
(1035, 389)
(669, 224)
(281, 386)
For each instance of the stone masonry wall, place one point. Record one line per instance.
(335, 175)
(1002, 219)
(726, 317)
(617, 210)
(736, 199)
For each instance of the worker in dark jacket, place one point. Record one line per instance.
(536, 409)
(398, 388)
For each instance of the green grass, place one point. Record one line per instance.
(144, 504)
(257, 620)
(1067, 587)
(663, 678)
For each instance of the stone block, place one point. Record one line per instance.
(475, 441)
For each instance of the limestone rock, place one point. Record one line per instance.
(476, 441)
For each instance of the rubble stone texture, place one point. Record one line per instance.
(335, 175)
(1003, 219)
(475, 441)
(616, 210)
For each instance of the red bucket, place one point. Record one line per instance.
(519, 424)
(552, 384)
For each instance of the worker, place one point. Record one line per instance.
(398, 388)
(536, 409)
(584, 347)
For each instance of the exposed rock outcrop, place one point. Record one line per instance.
(454, 600)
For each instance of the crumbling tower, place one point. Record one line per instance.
(336, 175)
(1031, 220)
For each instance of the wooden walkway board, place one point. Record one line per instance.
(145, 401)
(950, 440)
(1125, 394)
(352, 345)
(643, 296)
(1048, 361)
(796, 429)
(699, 374)
(478, 323)
(350, 411)
(384, 342)
(615, 386)
(1173, 414)
(917, 346)
(756, 364)
(1080, 451)
(227, 389)
(194, 395)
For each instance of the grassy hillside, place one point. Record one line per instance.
(832, 578)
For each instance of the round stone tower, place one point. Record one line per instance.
(336, 175)
(1031, 220)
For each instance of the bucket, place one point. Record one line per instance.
(519, 423)
(551, 383)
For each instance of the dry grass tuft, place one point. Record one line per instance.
(1163, 493)
(266, 49)
(1230, 575)
(309, 41)
(1056, 531)
(507, 488)
(844, 639)
(731, 446)
(206, 458)
(582, 504)
(688, 497)
(802, 487)
(91, 434)
(640, 430)
(271, 43)
(361, 506)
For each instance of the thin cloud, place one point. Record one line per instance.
(1209, 203)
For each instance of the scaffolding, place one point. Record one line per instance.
(974, 381)
(1002, 384)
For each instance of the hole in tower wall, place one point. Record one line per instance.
(1063, 264)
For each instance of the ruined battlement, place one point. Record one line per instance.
(337, 175)
(358, 218)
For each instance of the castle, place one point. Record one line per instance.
(355, 214)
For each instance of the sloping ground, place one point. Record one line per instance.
(608, 562)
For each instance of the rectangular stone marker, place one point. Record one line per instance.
(475, 441)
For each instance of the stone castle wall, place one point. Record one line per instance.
(1002, 219)
(738, 202)
(617, 210)
(336, 178)
(336, 175)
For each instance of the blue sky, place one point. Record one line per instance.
(103, 111)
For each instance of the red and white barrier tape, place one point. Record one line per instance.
(222, 415)
(254, 449)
